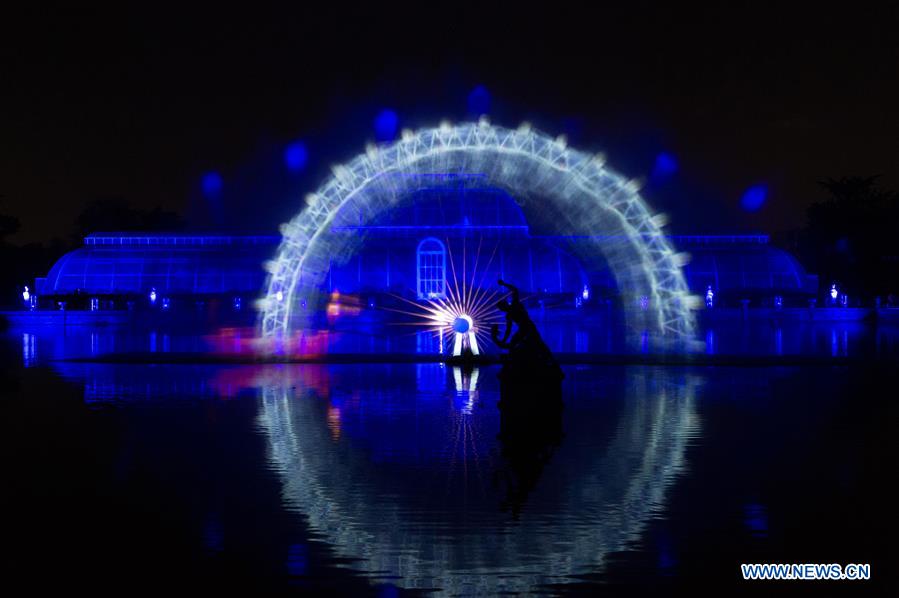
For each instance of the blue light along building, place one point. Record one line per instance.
(176, 264)
(437, 235)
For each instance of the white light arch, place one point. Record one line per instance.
(571, 189)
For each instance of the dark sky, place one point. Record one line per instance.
(139, 104)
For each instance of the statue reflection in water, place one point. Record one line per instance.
(530, 402)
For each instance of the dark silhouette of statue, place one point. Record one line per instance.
(530, 402)
(529, 361)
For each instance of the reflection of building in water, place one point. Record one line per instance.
(402, 484)
(109, 382)
(353, 501)
(29, 349)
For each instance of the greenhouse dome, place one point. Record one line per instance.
(123, 263)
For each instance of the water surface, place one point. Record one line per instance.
(383, 479)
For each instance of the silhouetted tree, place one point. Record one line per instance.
(852, 237)
(117, 215)
(20, 264)
(9, 225)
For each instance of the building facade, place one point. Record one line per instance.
(438, 240)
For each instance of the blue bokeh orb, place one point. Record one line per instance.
(387, 123)
(212, 184)
(479, 101)
(754, 198)
(295, 156)
(665, 166)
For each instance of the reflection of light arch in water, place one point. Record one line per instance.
(326, 483)
(575, 191)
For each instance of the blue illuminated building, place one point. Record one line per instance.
(438, 233)
(442, 231)
(411, 249)
(136, 266)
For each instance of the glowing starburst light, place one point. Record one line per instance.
(464, 316)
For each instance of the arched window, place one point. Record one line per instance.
(431, 269)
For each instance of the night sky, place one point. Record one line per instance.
(705, 104)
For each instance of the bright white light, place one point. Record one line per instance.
(465, 313)
(26, 295)
(709, 297)
(834, 292)
(153, 296)
(585, 294)
(464, 327)
(572, 190)
(462, 324)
